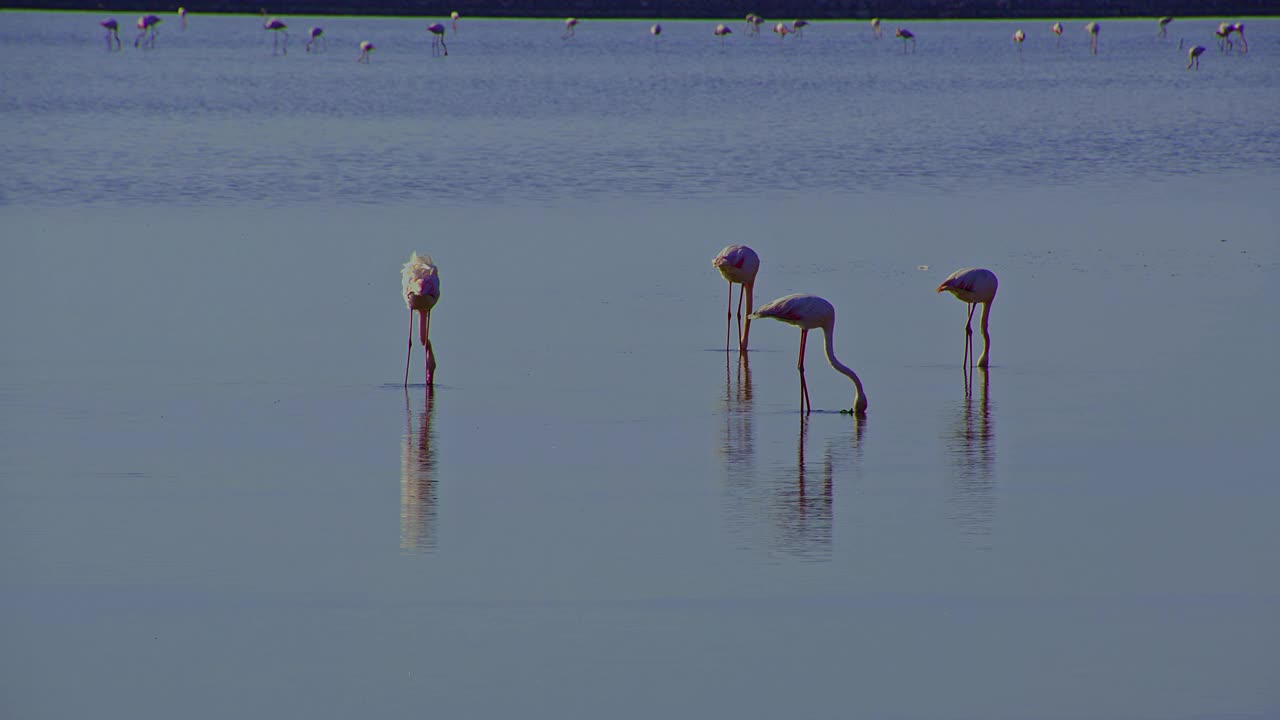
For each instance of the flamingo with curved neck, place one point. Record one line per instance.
(810, 312)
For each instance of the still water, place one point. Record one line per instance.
(217, 500)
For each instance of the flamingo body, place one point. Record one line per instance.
(973, 286)
(437, 39)
(906, 35)
(421, 283)
(810, 312)
(1164, 25)
(1193, 57)
(1092, 28)
(738, 264)
(875, 27)
(277, 26)
(569, 25)
(147, 28)
(721, 31)
(113, 31)
(315, 36)
(366, 48)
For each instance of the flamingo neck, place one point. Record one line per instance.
(746, 327)
(986, 337)
(859, 397)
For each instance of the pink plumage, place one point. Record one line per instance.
(738, 264)
(810, 312)
(420, 279)
(973, 286)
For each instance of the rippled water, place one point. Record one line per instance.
(217, 499)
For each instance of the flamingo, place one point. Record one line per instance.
(875, 27)
(276, 27)
(781, 30)
(454, 17)
(721, 31)
(751, 21)
(569, 25)
(973, 286)
(655, 31)
(906, 35)
(437, 39)
(1018, 37)
(1224, 36)
(810, 312)
(738, 264)
(1057, 30)
(113, 31)
(366, 47)
(182, 15)
(1239, 29)
(1092, 28)
(797, 26)
(1193, 57)
(1164, 25)
(421, 280)
(315, 36)
(147, 29)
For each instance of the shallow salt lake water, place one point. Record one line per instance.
(217, 499)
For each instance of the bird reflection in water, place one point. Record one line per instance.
(971, 444)
(737, 444)
(805, 508)
(417, 478)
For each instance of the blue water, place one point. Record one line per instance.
(217, 499)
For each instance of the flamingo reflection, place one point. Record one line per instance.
(417, 478)
(971, 447)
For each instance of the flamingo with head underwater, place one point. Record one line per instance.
(906, 35)
(437, 39)
(113, 31)
(276, 26)
(810, 312)
(738, 264)
(973, 286)
(421, 280)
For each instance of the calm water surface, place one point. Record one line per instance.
(216, 499)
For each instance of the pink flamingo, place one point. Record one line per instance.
(906, 35)
(366, 47)
(1238, 28)
(738, 264)
(182, 15)
(421, 280)
(1018, 37)
(721, 32)
(147, 28)
(437, 39)
(1193, 57)
(1092, 28)
(973, 286)
(797, 26)
(875, 27)
(781, 30)
(569, 25)
(751, 22)
(810, 312)
(454, 17)
(1224, 37)
(315, 36)
(1164, 25)
(1057, 30)
(276, 26)
(655, 31)
(113, 31)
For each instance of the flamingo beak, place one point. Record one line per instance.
(942, 287)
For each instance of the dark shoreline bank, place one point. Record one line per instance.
(691, 9)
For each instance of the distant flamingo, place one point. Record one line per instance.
(147, 29)
(1092, 28)
(113, 31)
(316, 37)
(721, 32)
(810, 312)
(875, 27)
(437, 39)
(738, 264)
(1057, 30)
(1224, 36)
(421, 280)
(1164, 25)
(454, 17)
(1018, 37)
(276, 27)
(182, 15)
(1193, 57)
(655, 31)
(797, 26)
(366, 47)
(906, 35)
(973, 286)
(781, 30)
(751, 23)
(1238, 28)
(569, 26)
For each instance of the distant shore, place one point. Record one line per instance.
(691, 9)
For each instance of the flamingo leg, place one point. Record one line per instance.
(805, 406)
(968, 336)
(425, 322)
(410, 355)
(728, 318)
(742, 289)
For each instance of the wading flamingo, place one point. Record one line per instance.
(1224, 36)
(276, 27)
(437, 39)
(751, 17)
(1018, 37)
(973, 286)
(366, 47)
(421, 280)
(655, 31)
(781, 30)
(454, 17)
(797, 26)
(875, 27)
(316, 37)
(113, 31)
(182, 15)
(810, 312)
(721, 32)
(1092, 28)
(738, 264)
(1164, 25)
(1057, 30)
(906, 35)
(1238, 28)
(147, 29)
(569, 25)
(1193, 57)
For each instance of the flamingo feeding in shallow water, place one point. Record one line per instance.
(655, 31)
(421, 280)
(113, 31)
(738, 264)
(437, 39)
(147, 28)
(1092, 28)
(781, 30)
(973, 286)
(1193, 57)
(569, 25)
(1164, 25)
(1018, 37)
(875, 27)
(366, 47)
(316, 37)
(810, 312)
(182, 15)
(797, 26)
(722, 31)
(454, 17)
(1057, 30)
(276, 26)
(906, 35)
